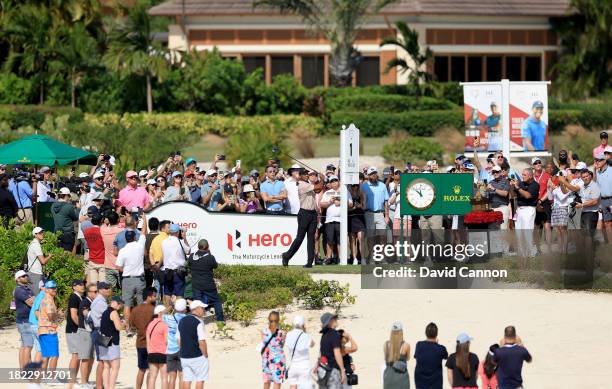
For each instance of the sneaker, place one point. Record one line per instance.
(285, 260)
(307, 266)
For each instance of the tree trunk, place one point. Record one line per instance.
(41, 100)
(343, 61)
(73, 92)
(149, 95)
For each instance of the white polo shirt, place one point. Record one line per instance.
(131, 257)
(174, 256)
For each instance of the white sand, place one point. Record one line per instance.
(568, 334)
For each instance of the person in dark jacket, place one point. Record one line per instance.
(8, 205)
(64, 216)
(202, 264)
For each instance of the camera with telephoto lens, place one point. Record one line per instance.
(560, 173)
(352, 379)
(577, 200)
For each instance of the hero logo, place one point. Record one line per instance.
(258, 240)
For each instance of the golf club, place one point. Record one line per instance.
(276, 150)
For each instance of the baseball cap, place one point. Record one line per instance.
(493, 103)
(226, 174)
(372, 169)
(326, 318)
(331, 178)
(459, 157)
(44, 169)
(298, 321)
(496, 168)
(143, 173)
(159, 309)
(608, 149)
(293, 167)
(600, 156)
(83, 175)
(92, 210)
(51, 284)
(98, 175)
(103, 285)
(112, 160)
(312, 172)
(534, 159)
(248, 188)
(37, 230)
(197, 304)
(116, 299)
(469, 166)
(330, 167)
(176, 174)
(189, 173)
(180, 305)
(254, 173)
(397, 326)
(450, 169)
(537, 104)
(19, 274)
(211, 172)
(581, 165)
(151, 181)
(603, 135)
(77, 282)
(130, 173)
(97, 196)
(463, 338)
(64, 191)
(189, 161)
(174, 228)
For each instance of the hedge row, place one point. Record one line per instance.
(17, 116)
(385, 103)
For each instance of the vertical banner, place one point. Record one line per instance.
(482, 107)
(528, 116)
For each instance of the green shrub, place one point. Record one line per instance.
(257, 98)
(14, 90)
(238, 278)
(7, 284)
(417, 123)
(559, 118)
(288, 94)
(321, 293)
(385, 103)
(412, 148)
(253, 146)
(34, 115)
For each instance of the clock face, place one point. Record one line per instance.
(421, 194)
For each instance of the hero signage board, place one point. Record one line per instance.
(235, 238)
(436, 193)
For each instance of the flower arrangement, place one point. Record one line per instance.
(483, 217)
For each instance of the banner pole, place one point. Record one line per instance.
(506, 125)
(343, 254)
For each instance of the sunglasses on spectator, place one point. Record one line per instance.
(92, 291)
(537, 163)
(132, 177)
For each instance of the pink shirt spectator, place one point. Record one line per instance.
(486, 382)
(598, 150)
(133, 197)
(108, 236)
(157, 334)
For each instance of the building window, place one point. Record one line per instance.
(474, 69)
(457, 68)
(253, 63)
(533, 68)
(513, 68)
(368, 71)
(282, 65)
(441, 68)
(312, 71)
(494, 68)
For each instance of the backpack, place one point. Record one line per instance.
(25, 263)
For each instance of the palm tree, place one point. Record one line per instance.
(339, 21)
(76, 53)
(133, 51)
(408, 41)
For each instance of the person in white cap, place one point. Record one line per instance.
(64, 216)
(157, 333)
(462, 365)
(43, 188)
(291, 184)
(211, 191)
(36, 259)
(173, 360)
(193, 349)
(298, 341)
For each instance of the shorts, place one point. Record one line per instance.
(66, 240)
(545, 215)
(131, 289)
(605, 205)
(26, 333)
(195, 369)
(49, 345)
(112, 278)
(72, 340)
(156, 358)
(375, 221)
(36, 347)
(299, 374)
(173, 362)
(143, 362)
(110, 353)
(332, 233)
(356, 224)
(85, 347)
(175, 287)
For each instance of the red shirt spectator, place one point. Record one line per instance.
(95, 243)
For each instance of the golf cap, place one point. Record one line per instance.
(581, 166)
(77, 282)
(600, 156)
(19, 274)
(174, 228)
(116, 299)
(180, 305)
(83, 175)
(496, 168)
(330, 168)
(459, 157)
(64, 191)
(98, 175)
(189, 173)
(197, 304)
(450, 169)
(326, 318)
(331, 178)
(176, 174)
(131, 173)
(493, 104)
(298, 321)
(227, 174)
(151, 181)
(92, 210)
(97, 196)
(159, 309)
(537, 104)
(463, 338)
(50, 284)
(44, 169)
(535, 159)
(254, 173)
(211, 172)
(312, 173)
(603, 135)
(469, 166)
(37, 230)
(372, 170)
(112, 160)
(248, 188)
(189, 161)
(608, 149)
(103, 285)
(397, 326)
(143, 173)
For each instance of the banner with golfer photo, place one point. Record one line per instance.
(482, 107)
(528, 116)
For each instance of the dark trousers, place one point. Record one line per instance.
(307, 225)
(66, 241)
(588, 222)
(210, 297)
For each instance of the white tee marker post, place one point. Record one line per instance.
(349, 175)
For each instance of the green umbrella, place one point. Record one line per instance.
(42, 150)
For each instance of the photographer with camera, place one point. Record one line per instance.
(64, 216)
(8, 205)
(175, 250)
(22, 192)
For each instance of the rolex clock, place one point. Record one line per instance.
(421, 194)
